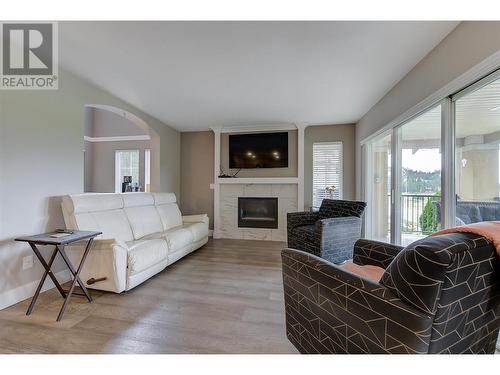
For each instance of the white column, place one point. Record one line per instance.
(216, 131)
(300, 165)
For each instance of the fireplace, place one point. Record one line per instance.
(257, 212)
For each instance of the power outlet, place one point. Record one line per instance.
(27, 262)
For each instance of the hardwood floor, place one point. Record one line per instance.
(224, 298)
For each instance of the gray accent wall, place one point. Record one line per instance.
(41, 159)
(197, 173)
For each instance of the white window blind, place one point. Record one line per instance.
(327, 171)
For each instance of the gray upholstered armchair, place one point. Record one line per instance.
(329, 233)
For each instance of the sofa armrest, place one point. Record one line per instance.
(375, 253)
(107, 258)
(297, 219)
(322, 300)
(201, 218)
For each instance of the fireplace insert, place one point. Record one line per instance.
(258, 212)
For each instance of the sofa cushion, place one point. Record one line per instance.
(113, 224)
(178, 238)
(137, 199)
(488, 212)
(170, 215)
(370, 272)
(80, 203)
(468, 213)
(164, 198)
(143, 254)
(198, 230)
(143, 220)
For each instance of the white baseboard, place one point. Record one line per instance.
(210, 233)
(13, 296)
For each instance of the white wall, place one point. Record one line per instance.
(466, 46)
(41, 158)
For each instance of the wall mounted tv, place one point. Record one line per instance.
(258, 150)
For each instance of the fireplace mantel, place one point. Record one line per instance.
(258, 180)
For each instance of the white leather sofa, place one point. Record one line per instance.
(142, 233)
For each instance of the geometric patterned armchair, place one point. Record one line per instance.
(440, 294)
(329, 233)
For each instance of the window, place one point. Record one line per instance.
(147, 170)
(327, 171)
(126, 164)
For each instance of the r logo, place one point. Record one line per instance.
(27, 49)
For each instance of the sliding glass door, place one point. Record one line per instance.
(477, 153)
(437, 170)
(403, 180)
(419, 176)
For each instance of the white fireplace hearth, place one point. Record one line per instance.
(231, 190)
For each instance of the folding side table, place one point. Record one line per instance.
(59, 244)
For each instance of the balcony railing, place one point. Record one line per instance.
(418, 213)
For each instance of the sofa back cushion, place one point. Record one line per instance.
(168, 210)
(468, 213)
(340, 208)
(417, 274)
(113, 224)
(99, 212)
(142, 214)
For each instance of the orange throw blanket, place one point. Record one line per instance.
(488, 229)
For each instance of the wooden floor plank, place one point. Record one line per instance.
(226, 297)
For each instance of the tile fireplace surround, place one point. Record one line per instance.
(228, 203)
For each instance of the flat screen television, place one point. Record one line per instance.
(258, 150)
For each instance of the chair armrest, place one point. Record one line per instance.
(375, 253)
(323, 300)
(201, 218)
(297, 219)
(336, 237)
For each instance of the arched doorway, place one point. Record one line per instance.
(122, 152)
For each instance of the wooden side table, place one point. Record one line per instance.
(59, 244)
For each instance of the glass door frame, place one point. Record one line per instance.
(448, 191)
(447, 170)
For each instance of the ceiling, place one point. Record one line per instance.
(195, 75)
(477, 114)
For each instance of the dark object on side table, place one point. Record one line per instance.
(329, 233)
(59, 242)
(438, 295)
